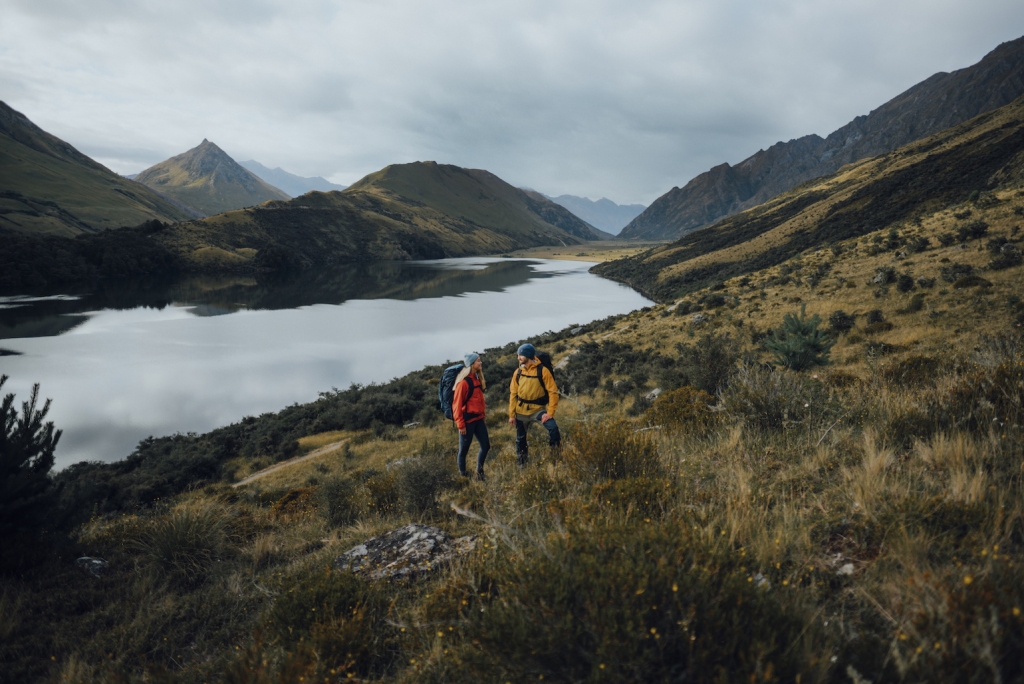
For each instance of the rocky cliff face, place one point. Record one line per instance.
(941, 101)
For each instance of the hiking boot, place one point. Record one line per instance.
(480, 476)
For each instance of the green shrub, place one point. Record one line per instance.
(915, 304)
(340, 617)
(26, 457)
(421, 479)
(337, 500)
(798, 343)
(947, 239)
(186, 540)
(773, 400)
(918, 245)
(611, 450)
(904, 283)
(686, 410)
(617, 602)
(878, 327)
(874, 316)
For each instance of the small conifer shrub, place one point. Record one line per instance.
(799, 343)
(26, 457)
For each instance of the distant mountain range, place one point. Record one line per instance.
(49, 187)
(941, 101)
(289, 182)
(602, 214)
(209, 180)
(943, 178)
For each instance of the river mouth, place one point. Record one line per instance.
(126, 360)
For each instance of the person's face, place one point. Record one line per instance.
(522, 359)
(478, 365)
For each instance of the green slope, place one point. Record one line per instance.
(208, 179)
(49, 187)
(888, 191)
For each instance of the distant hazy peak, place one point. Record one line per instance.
(290, 183)
(603, 214)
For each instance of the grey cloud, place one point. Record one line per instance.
(588, 98)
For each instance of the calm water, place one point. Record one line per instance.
(130, 360)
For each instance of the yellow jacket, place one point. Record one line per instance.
(527, 385)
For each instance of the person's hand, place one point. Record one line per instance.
(511, 420)
(462, 431)
(545, 417)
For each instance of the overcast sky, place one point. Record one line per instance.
(616, 99)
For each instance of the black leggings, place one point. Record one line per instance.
(477, 428)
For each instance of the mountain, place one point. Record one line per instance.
(941, 101)
(49, 187)
(289, 182)
(980, 162)
(603, 214)
(208, 179)
(421, 210)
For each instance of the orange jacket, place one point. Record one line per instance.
(527, 384)
(468, 412)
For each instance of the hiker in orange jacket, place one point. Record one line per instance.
(469, 410)
(533, 397)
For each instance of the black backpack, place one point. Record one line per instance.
(446, 389)
(545, 362)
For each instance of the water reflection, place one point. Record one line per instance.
(128, 360)
(44, 316)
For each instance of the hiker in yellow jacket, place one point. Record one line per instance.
(533, 397)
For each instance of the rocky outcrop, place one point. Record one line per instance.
(941, 101)
(404, 553)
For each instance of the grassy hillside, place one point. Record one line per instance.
(860, 520)
(408, 211)
(48, 187)
(209, 180)
(981, 160)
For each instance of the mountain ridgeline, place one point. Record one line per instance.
(971, 162)
(941, 101)
(47, 187)
(209, 180)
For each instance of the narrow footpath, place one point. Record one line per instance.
(284, 464)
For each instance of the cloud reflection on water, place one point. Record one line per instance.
(124, 371)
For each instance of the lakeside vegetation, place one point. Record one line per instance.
(855, 521)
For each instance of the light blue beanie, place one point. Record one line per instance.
(526, 350)
(470, 358)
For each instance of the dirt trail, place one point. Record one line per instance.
(284, 464)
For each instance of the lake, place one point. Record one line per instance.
(125, 360)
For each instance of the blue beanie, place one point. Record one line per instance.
(470, 358)
(526, 350)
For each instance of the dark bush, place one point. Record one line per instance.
(885, 275)
(840, 321)
(874, 316)
(705, 364)
(904, 283)
(947, 239)
(971, 281)
(878, 327)
(954, 272)
(918, 245)
(971, 231)
(915, 304)
(925, 282)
